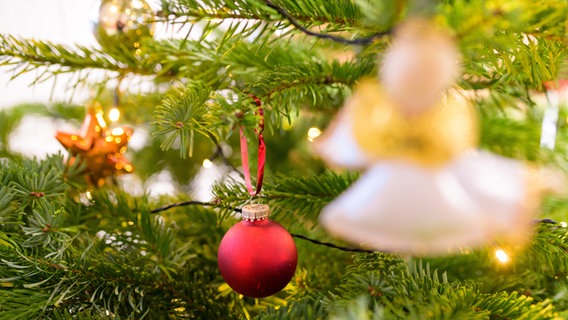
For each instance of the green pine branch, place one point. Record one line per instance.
(64, 255)
(519, 45)
(336, 16)
(298, 199)
(25, 55)
(183, 114)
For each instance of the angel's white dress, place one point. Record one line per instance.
(473, 199)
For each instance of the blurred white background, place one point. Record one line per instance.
(62, 21)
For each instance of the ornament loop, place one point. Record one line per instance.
(550, 119)
(255, 211)
(261, 152)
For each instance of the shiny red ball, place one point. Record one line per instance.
(257, 259)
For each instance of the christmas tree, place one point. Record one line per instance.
(79, 240)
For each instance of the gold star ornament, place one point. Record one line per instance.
(101, 148)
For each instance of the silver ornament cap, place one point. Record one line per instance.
(255, 211)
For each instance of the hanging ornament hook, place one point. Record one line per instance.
(117, 92)
(114, 113)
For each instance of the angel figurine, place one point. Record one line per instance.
(426, 189)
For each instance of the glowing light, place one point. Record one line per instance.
(114, 115)
(101, 121)
(113, 8)
(313, 133)
(207, 164)
(501, 256)
(117, 131)
(137, 4)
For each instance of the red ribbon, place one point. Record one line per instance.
(261, 152)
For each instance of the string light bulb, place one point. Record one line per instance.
(117, 131)
(207, 164)
(114, 115)
(502, 256)
(137, 4)
(113, 8)
(313, 133)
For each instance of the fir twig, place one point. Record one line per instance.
(331, 245)
(182, 204)
(327, 36)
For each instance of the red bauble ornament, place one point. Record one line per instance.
(257, 257)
